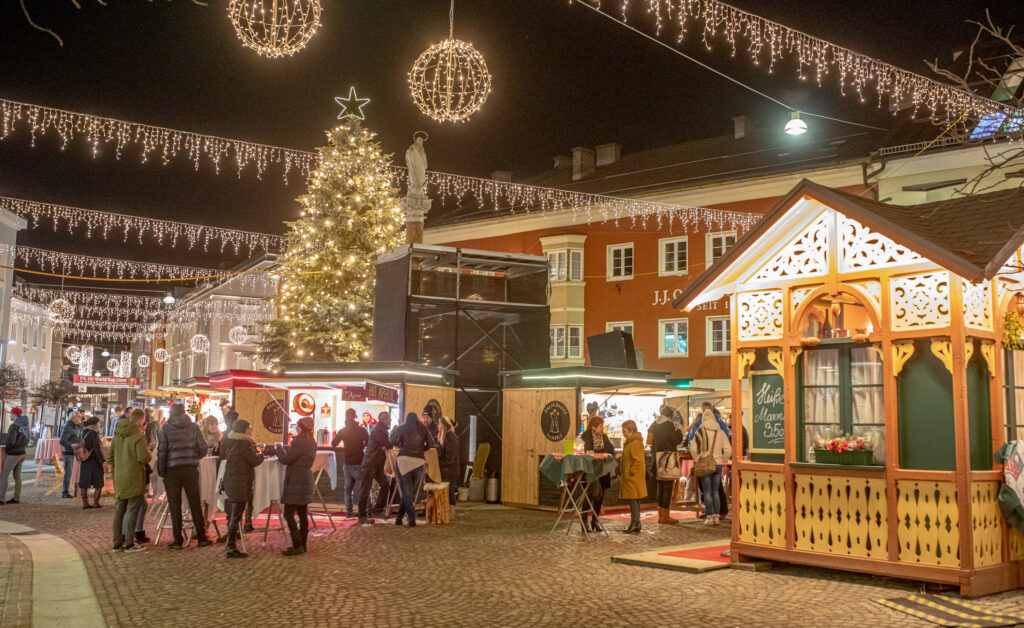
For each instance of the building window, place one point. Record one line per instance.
(575, 341)
(673, 338)
(718, 335)
(556, 265)
(42, 338)
(840, 392)
(565, 265)
(24, 334)
(557, 349)
(35, 336)
(718, 244)
(575, 265)
(1014, 397)
(672, 256)
(624, 326)
(620, 261)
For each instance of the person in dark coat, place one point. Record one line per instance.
(178, 454)
(90, 473)
(14, 456)
(70, 436)
(449, 458)
(226, 443)
(595, 440)
(241, 459)
(373, 467)
(412, 439)
(298, 483)
(354, 437)
(664, 437)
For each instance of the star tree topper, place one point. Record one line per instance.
(352, 107)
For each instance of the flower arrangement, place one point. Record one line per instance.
(843, 449)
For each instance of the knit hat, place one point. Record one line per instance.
(305, 424)
(240, 426)
(91, 421)
(16, 411)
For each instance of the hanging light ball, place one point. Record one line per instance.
(72, 353)
(450, 81)
(275, 28)
(238, 335)
(160, 355)
(199, 344)
(143, 361)
(61, 311)
(112, 364)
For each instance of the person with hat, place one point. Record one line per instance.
(129, 457)
(449, 459)
(90, 472)
(70, 435)
(298, 487)
(178, 454)
(240, 460)
(373, 468)
(354, 437)
(226, 443)
(14, 450)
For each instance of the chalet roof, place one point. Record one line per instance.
(972, 236)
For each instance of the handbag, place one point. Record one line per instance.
(668, 466)
(81, 453)
(706, 464)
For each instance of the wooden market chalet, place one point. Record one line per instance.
(883, 322)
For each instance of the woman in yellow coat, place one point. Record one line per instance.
(634, 474)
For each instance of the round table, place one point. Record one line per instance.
(47, 449)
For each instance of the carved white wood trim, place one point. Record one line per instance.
(797, 296)
(760, 314)
(920, 300)
(861, 248)
(804, 256)
(977, 304)
(873, 289)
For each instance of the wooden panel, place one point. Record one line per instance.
(929, 528)
(987, 524)
(249, 403)
(762, 512)
(416, 397)
(523, 442)
(841, 515)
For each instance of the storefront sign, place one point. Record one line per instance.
(353, 394)
(554, 421)
(274, 417)
(103, 381)
(381, 393)
(434, 409)
(664, 297)
(767, 397)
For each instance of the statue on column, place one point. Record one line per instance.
(416, 204)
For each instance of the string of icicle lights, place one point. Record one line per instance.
(225, 311)
(165, 232)
(487, 193)
(769, 43)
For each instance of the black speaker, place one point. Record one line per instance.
(613, 349)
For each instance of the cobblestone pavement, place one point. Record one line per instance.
(492, 567)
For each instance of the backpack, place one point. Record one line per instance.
(81, 453)
(706, 465)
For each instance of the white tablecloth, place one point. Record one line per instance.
(327, 461)
(268, 484)
(47, 449)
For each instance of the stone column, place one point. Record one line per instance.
(415, 207)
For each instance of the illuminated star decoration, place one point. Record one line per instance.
(347, 108)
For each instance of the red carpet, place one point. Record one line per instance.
(706, 553)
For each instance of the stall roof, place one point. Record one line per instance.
(392, 373)
(589, 377)
(235, 378)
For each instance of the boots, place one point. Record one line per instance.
(85, 498)
(594, 525)
(665, 517)
(96, 500)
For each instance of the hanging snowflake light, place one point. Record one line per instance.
(112, 365)
(160, 355)
(450, 81)
(143, 361)
(199, 344)
(275, 28)
(71, 353)
(61, 311)
(238, 335)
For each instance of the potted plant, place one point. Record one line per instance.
(843, 450)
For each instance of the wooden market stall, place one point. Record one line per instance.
(543, 410)
(887, 324)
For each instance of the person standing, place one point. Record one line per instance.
(633, 487)
(129, 457)
(70, 436)
(241, 459)
(664, 437)
(211, 434)
(710, 441)
(449, 459)
(354, 437)
(14, 450)
(373, 467)
(596, 441)
(90, 470)
(298, 483)
(181, 447)
(412, 439)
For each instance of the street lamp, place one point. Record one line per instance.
(795, 126)
(169, 299)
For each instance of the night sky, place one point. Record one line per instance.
(563, 77)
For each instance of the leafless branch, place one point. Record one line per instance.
(60, 42)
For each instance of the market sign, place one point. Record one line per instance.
(554, 421)
(353, 394)
(274, 417)
(105, 381)
(767, 398)
(433, 408)
(381, 393)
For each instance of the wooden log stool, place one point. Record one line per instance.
(437, 511)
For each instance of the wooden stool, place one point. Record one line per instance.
(437, 511)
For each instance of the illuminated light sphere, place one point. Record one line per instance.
(238, 335)
(112, 364)
(72, 353)
(143, 361)
(450, 81)
(275, 28)
(199, 344)
(795, 126)
(61, 311)
(160, 355)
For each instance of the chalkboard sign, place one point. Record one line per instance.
(766, 392)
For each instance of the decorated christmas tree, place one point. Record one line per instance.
(350, 216)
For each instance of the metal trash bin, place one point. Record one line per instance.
(493, 490)
(476, 490)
